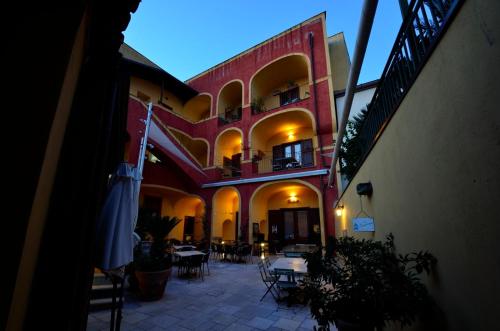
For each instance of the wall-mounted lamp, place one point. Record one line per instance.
(339, 210)
(291, 136)
(293, 199)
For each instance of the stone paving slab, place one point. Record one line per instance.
(228, 300)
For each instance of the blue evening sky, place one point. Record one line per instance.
(186, 37)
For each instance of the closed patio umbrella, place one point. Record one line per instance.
(115, 237)
(116, 224)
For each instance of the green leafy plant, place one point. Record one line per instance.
(155, 229)
(366, 284)
(257, 105)
(351, 148)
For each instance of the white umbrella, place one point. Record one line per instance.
(116, 223)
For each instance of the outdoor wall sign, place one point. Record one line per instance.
(363, 224)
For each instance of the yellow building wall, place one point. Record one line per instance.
(435, 172)
(306, 199)
(224, 208)
(340, 63)
(154, 91)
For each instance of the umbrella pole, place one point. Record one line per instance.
(120, 304)
(144, 141)
(113, 306)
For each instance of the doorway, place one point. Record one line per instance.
(290, 226)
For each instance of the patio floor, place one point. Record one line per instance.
(228, 299)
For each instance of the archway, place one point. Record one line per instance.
(228, 152)
(230, 102)
(172, 202)
(226, 206)
(284, 140)
(291, 209)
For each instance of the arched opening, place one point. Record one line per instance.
(230, 102)
(283, 141)
(280, 83)
(167, 201)
(198, 108)
(225, 214)
(291, 211)
(228, 152)
(197, 147)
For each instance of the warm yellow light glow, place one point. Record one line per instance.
(222, 243)
(291, 135)
(338, 211)
(261, 244)
(262, 257)
(293, 199)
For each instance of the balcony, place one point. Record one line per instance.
(229, 103)
(228, 153)
(280, 83)
(230, 115)
(290, 156)
(419, 34)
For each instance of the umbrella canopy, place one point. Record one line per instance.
(116, 223)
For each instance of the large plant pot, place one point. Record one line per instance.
(152, 283)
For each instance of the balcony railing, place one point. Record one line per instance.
(229, 171)
(230, 116)
(292, 162)
(424, 24)
(280, 98)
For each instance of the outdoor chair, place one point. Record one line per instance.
(196, 265)
(267, 261)
(205, 260)
(286, 282)
(268, 280)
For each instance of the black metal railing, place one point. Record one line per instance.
(280, 98)
(292, 162)
(231, 114)
(419, 34)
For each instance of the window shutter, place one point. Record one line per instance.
(307, 153)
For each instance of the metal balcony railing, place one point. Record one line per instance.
(230, 116)
(291, 162)
(424, 24)
(279, 98)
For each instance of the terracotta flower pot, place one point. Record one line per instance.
(152, 283)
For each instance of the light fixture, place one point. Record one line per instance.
(290, 135)
(339, 210)
(261, 244)
(293, 198)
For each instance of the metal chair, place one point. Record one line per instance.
(204, 261)
(268, 280)
(289, 284)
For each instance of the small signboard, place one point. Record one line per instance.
(363, 224)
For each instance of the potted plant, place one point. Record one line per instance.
(364, 284)
(257, 105)
(152, 263)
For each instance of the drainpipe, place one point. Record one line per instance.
(365, 27)
(315, 91)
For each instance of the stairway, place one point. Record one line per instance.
(101, 296)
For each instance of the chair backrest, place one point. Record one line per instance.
(206, 257)
(288, 273)
(196, 260)
(262, 270)
(267, 261)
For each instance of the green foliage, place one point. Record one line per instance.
(154, 228)
(257, 105)
(366, 283)
(351, 149)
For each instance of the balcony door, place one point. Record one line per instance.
(297, 154)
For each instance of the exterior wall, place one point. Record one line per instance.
(435, 172)
(242, 68)
(359, 102)
(339, 61)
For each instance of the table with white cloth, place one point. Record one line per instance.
(297, 264)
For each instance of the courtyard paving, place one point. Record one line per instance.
(228, 299)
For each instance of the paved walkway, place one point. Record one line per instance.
(228, 299)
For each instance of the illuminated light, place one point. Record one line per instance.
(339, 210)
(290, 135)
(262, 257)
(222, 242)
(261, 244)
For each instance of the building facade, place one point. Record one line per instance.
(241, 150)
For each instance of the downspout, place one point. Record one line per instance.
(365, 27)
(316, 117)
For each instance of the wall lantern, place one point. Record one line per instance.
(293, 199)
(339, 210)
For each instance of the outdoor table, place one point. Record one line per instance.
(177, 247)
(298, 265)
(298, 250)
(182, 254)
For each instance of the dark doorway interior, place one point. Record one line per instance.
(289, 226)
